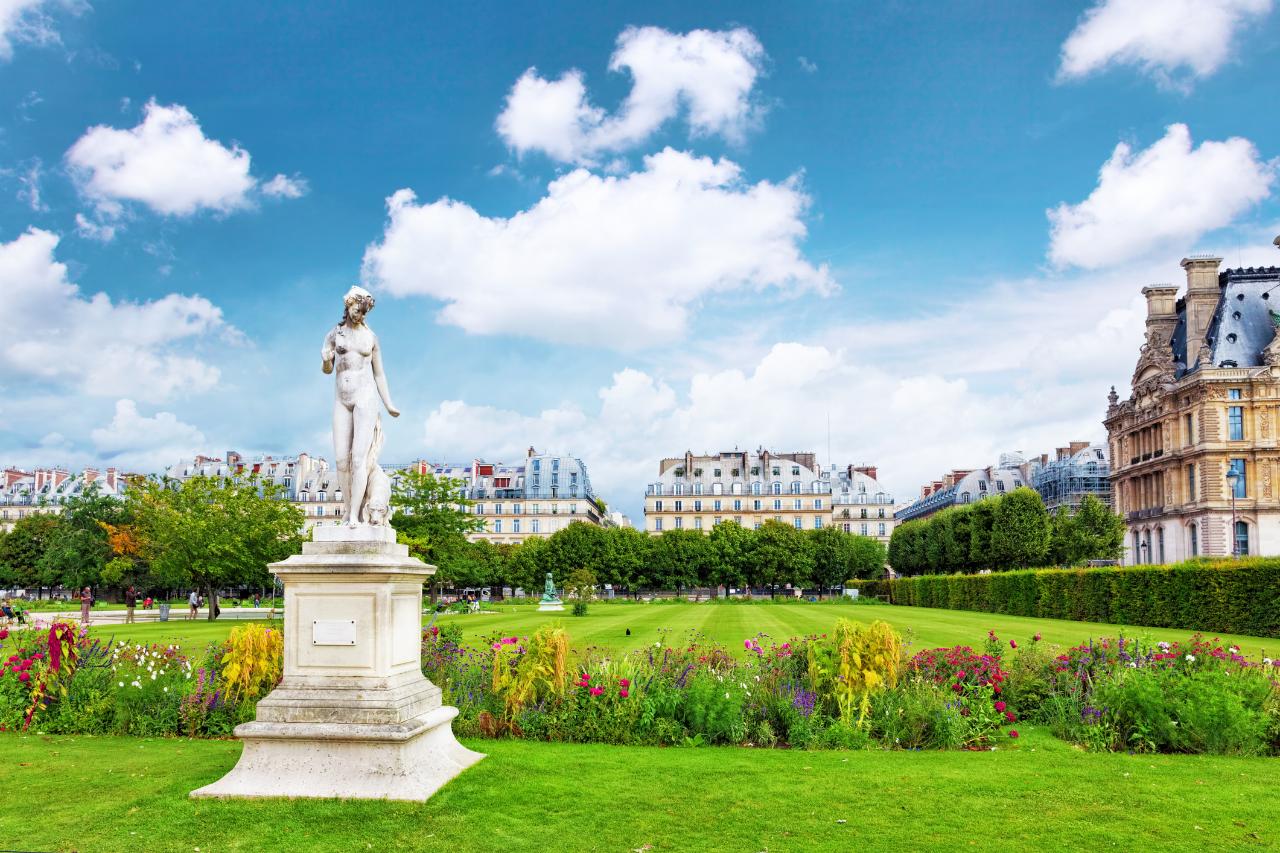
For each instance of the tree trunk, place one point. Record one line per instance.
(212, 601)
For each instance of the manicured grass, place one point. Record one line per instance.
(109, 794)
(607, 624)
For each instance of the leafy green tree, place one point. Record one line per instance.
(433, 517)
(731, 555)
(1020, 530)
(982, 516)
(22, 548)
(79, 549)
(1093, 532)
(835, 555)
(581, 584)
(528, 565)
(209, 532)
(679, 559)
(578, 545)
(625, 558)
(907, 546)
(781, 555)
(867, 558)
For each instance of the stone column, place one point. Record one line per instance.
(353, 716)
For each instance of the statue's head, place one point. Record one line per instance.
(356, 304)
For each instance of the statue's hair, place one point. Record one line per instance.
(364, 299)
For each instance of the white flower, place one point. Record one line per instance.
(1266, 661)
(1191, 658)
(153, 676)
(1163, 646)
(1133, 664)
(726, 695)
(122, 684)
(1235, 650)
(166, 690)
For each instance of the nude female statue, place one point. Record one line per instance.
(352, 348)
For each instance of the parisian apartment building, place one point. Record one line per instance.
(44, 490)
(697, 492)
(1062, 478)
(1195, 455)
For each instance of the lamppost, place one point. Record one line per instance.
(1233, 477)
(1143, 545)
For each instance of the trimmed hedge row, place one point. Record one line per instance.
(1224, 596)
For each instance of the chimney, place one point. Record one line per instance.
(40, 479)
(1201, 299)
(869, 470)
(90, 475)
(111, 481)
(532, 453)
(60, 476)
(13, 475)
(1077, 446)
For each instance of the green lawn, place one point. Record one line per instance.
(123, 794)
(607, 624)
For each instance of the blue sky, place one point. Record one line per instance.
(613, 234)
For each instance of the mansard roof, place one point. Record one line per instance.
(1242, 324)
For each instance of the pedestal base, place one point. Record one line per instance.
(551, 605)
(408, 761)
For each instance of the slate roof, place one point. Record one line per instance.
(1242, 325)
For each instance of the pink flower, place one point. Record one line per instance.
(1013, 644)
(625, 682)
(1000, 706)
(4, 633)
(1009, 715)
(596, 691)
(497, 646)
(585, 678)
(1036, 638)
(1013, 732)
(623, 693)
(24, 676)
(746, 644)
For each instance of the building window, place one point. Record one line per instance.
(777, 488)
(777, 504)
(863, 531)
(799, 522)
(756, 505)
(1195, 541)
(515, 509)
(657, 506)
(717, 521)
(1189, 438)
(497, 525)
(716, 504)
(755, 526)
(1160, 543)
(657, 524)
(1235, 423)
(697, 522)
(537, 508)
(679, 506)
(881, 515)
(479, 509)
(864, 513)
(737, 506)
(848, 528)
(515, 525)
(795, 487)
(573, 509)
(797, 503)
(697, 488)
(1137, 548)
(817, 503)
(1191, 482)
(679, 489)
(755, 488)
(497, 509)
(737, 519)
(679, 522)
(697, 506)
(882, 530)
(1233, 393)
(817, 522)
(1242, 538)
(1237, 465)
(717, 472)
(776, 471)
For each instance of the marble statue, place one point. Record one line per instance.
(351, 353)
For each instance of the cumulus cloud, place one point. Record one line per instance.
(135, 442)
(25, 22)
(604, 260)
(709, 73)
(167, 164)
(283, 186)
(54, 333)
(1170, 40)
(1168, 195)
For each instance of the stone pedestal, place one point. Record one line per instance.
(353, 715)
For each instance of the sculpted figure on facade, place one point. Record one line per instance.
(351, 353)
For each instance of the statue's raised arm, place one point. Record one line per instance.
(352, 353)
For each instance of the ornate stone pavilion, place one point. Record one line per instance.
(1206, 392)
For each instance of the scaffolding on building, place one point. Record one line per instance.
(1063, 482)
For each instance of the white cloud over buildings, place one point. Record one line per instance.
(615, 261)
(1172, 41)
(135, 442)
(1166, 196)
(707, 74)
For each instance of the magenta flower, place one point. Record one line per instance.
(1010, 716)
(623, 693)
(497, 646)
(596, 691)
(746, 644)
(1013, 733)
(625, 682)
(1013, 644)
(1036, 638)
(1000, 706)
(24, 676)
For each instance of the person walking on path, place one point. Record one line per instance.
(194, 601)
(130, 602)
(86, 601)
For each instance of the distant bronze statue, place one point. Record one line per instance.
(352, 348)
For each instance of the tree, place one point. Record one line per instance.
(679, 558)
(625, 557)
(907, 548)
(731, 558)
(434, 520)
(1020, 530)
(833, 557)
(22, 548)
(781, 555)
(80, 549)
(529, 564)
(1093, 532)
(579, 545)
(866, 558)
(209, 532)
(982, 517)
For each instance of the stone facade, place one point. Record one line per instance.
(43, 490)
(1205, 401)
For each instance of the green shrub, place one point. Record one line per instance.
(579, 608)
(1226, 596)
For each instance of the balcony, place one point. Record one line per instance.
(1150, 512)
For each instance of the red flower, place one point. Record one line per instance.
(596, 691)
(1013, 644)
(24, 676)
(1009, 715)
(1013, 732)
(625, 682)
(999, 706)
(623, 693)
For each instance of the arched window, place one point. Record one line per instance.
(1195, 540)
(1242, 539)
(679, 488)
(755, 488)
(795, 487)
(777, 488)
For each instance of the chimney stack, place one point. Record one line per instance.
(1201, 299)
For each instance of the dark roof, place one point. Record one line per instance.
(1241, 327)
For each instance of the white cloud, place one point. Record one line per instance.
(135, 442)
(808, 66)
(1163, 38)
(167, 164)
(283, 186)
(91, 230)
(710, 74)
(54, 333)
(1167, 196)
(610, 261)
(24, 22)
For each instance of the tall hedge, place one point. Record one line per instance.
(1225, 596)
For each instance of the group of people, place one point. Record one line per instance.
(12, 613)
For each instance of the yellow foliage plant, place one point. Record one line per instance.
(855, 663)
(253, 661)
(542, 670)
